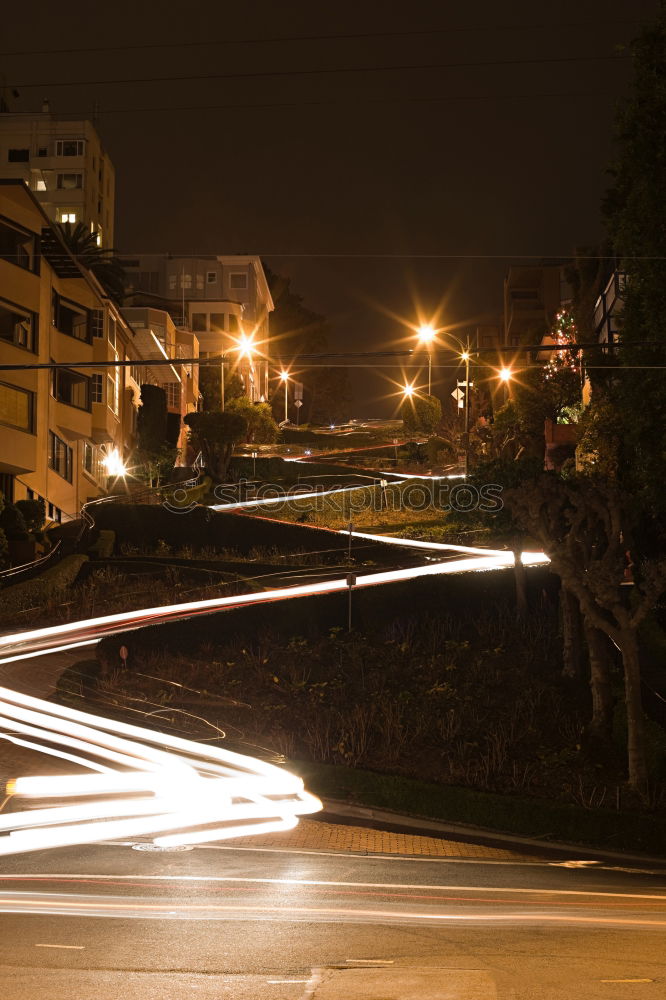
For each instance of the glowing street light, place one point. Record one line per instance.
(284, 376)
(505, 375)
(408, 391)
(114, 464)
(426, 334)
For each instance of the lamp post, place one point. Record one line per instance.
(285, 378)
(465, 357)
(426, 336)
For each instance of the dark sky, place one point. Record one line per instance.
(361, 184)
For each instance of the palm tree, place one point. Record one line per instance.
(82, 244)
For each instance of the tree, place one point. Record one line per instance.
(421, 414)
(579, 522)
(297, 330)
(154, 451)
(260, 424)
(215, 434)
(83, 245)
(210, 385)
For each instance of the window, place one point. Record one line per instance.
(17, 407)
(199, 322)
(97, 323)
(238, 279)
(234, 325)
(200, 282)
(70, 387)
(92, 461)
(112, 331)
(211, 277)
(40, 184)
(97, 388)
(70, 181)
(136, 373)
(17, 246)
(186, 280)
(70, 318)
(18, 155)
(42, 151)
(112, 393)
(69, 147)
(217, 322)
(172, 282)
(172, 390)
(18, 327)
(60, 458)
(66, 215)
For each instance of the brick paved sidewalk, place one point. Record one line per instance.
(319, 836)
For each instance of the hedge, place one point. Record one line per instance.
(182, 497)
(309, 616)
(48, 583)
(279, 470)
(536, 818)
(202, 528)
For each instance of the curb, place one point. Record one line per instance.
(336, 809)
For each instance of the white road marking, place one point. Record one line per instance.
(68, 947)
(371, 961)
(317, 883)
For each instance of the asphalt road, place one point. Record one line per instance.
(110, 921)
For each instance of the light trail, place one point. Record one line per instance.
(147, 783)
(153, 784)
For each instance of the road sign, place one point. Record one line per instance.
(458, 396)
(298, 403)
(471, 384)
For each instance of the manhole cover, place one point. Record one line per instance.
(163, 850)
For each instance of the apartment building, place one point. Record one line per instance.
(64, 164)
(158, 339)
(533, 295)
(63, 431)
(224, 301)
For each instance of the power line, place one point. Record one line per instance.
(280, 39)
(352, 101)
(333, 71)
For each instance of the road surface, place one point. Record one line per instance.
(109, 921)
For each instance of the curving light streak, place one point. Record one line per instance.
(147, 784)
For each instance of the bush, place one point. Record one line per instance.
(104, 545)
(13, 523)
(31, 593)
(33, 513)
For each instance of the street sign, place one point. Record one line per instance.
(458, 396)
(298, 403)
(471, 384)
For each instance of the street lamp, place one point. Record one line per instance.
(408, 391)
(284, 376)
(505, 374)
(426, 336)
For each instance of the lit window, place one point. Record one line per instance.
(186, 281)
(40, 185)
(200, 282)
(67, 216)
(16, 407)
(173, 280)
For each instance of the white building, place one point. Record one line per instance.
(65, 166)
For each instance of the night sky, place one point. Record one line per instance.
(383, 194)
